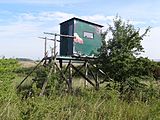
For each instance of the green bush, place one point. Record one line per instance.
(8, 98)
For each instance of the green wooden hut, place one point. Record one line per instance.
(88, 34)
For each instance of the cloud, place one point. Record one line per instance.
(62, 16)
(137, 22)
(45, 16)
(27, 17)
(154, 21)
(151, 43)
(59, 16)
(5, 12)
(97, 17)
(44, 20)
(20, 40)
(48, 2)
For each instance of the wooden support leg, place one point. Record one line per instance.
(62, 74)
(97, 83)
(46, 82)
(86, 74)
(91, 72)
(49, 75)
(60, 64)
(95, 77)
(70, 76)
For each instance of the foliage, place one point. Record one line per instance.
(41, 75)
(7, 68)
(23, 71)
(120, 56)
(8, 65)
(8, 97)
(32, 86)
(156, 71)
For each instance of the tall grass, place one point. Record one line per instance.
(82, 104)
(87, 105)
(90, 105)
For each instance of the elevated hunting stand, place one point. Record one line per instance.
(79, 41)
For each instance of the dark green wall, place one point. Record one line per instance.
(89, 46)
(66, 44)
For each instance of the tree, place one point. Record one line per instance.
(119, 55)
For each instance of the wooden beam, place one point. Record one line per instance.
(70, 76)
(90, 71)
(30, 73)
(86, 73)
(46, 82)
(83, 75)
(63, 76)
(78, 69)
(67, 36)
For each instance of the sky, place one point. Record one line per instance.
(23, 21)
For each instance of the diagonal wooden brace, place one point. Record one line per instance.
(79, 72)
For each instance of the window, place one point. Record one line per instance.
(89, 35)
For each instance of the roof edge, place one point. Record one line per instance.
(74, 18)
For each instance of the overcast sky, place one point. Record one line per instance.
(23, 21)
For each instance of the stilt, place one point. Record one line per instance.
(60, 64)
(54, 51)
(46, 82)
(45, 47)
(70, 76)
(86, 73)
(97, 83)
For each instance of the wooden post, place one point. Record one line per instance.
(49, 76)
(54, 52)
(86, 74)
(45, 82)
(45, 47)
(97, 83)
(70, 76)
(60, 64)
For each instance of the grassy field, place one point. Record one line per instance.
(82, 104)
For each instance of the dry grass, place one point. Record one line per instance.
(27, 64)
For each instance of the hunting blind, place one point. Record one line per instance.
(89, 35)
